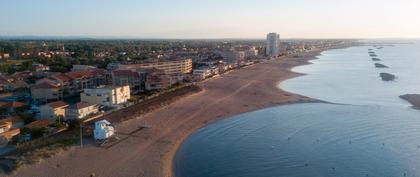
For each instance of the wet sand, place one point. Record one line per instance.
(149, 152)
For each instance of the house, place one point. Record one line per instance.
(81, 110)
(156, 80)
(5, 125)
(40, 67)
(128, 77)
(201, 74)
(17, 122)
(4, 84)
(7, 132)
(106, 95)
(13, 107)
(46, 90)
(103, 130)
(66, 85)
(53, 111)
(4, 56)
(86, 79)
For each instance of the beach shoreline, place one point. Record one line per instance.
(303, 60)
(150, 152)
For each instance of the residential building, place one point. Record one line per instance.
(7, 131)
(5, 126)
(65, 85)
(128, 77)
(170, 67)
(53, 111)
(13, 107)
(81, 110)
(4, 84)
(13, 83)
(4, 56)
(17, 122)
(46, 91)
(80, 80)
(156, 80)
(201, 74)
(250, 51)
(106, 95)
(232, 56)
(40, 67)
(273, 45)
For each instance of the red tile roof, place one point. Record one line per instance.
(57, 104)
(62, 77)
(39, 124)
(45, 85)
(80, 74)
(13, 119)
(81, 105)
(3, 81)
(14, 104)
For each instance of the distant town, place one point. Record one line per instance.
(52, 87)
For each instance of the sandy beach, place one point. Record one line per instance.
(149, 152)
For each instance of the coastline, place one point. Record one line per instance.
(301, 61)
(150, 152)
(286, 60)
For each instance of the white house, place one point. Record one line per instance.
(106, 95)
(81, 110)
(53, 111)
(201, 74)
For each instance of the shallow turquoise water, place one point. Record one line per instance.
(371, 133)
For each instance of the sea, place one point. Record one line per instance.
(363, 130)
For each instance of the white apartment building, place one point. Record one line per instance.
(106, 95)
(170, 67)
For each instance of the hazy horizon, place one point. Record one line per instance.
(217, 19)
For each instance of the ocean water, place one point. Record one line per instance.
(369, 132)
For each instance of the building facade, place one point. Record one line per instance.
(53, 111)
(106, 96)
(273, 45)
(156, 80)
(46, 91)
(128, 77)
(232, 56)
(81, 110)
(7, 132)
(170, 67)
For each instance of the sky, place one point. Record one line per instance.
(211, 18)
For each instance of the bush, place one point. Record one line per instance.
(38, 132)
(27, 118)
